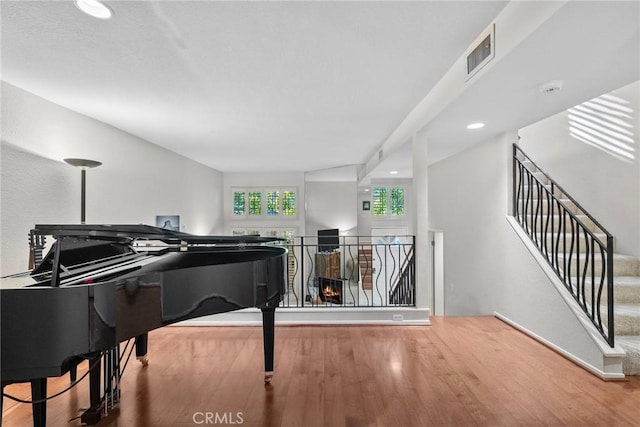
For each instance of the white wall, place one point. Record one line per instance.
(467, 201)
(367, 221)
(332, 205)
(137, 181)
(264, 180)
(406, 221)
(364, 217)
(608, 187)
(487, 268)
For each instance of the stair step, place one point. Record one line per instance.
(533, 185)
(631, 345)
(627, 319)
(528, 165)
(543, 205)
(365, 261)
(626, 289)
(578, 244)
(541, 177)
(623, 265)
(555, 222)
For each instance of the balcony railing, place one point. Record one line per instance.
(361, 272)
(575, 245)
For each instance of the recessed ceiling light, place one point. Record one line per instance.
(477, 125)
(394, 172)
(94, 8)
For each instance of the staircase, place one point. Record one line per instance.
(572, 249)
(365, 263)
(627, 318)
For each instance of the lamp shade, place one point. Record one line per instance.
(84, 163)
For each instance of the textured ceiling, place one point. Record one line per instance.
(267, 86)
(308, 86)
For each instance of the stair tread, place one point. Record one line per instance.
(618, 257)
(544, 199)
(627, 310)
(632, 341)
(627, 281)
(557, 215)
(632, 281)
(604, 236)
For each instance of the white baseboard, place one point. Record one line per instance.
(614, 361)
(591, 330)
(319, 316)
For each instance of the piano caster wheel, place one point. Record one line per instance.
(143, 360)
(268, 378)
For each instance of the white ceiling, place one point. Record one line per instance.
(302, 86)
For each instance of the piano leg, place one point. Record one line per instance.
(39, 405)
(268, 321)
(141, 348)
(92, 415)
(73, 369)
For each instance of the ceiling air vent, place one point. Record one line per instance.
(482, 51)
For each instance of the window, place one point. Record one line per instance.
(289, 203)
(255, 203)
(379, 201)
(388, 201)
(264, 203)
(273, 203)
(239, 203)
(397, 201)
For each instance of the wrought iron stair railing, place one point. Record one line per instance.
(403, 291)
(576, 246)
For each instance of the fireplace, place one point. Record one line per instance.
(330, 290)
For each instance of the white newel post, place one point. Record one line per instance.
(421, 218)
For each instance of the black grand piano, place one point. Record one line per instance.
(102, 285)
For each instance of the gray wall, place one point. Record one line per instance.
(137, 181)
(487, 267)
(606, 185)
(331, 205)
(468, 202)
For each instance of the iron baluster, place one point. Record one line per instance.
(536, 225)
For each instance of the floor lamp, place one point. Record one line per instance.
(83, 164)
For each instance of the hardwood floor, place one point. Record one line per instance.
(459, 372)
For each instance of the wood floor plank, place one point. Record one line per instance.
(458, 372)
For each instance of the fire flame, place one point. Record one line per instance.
(330, 292)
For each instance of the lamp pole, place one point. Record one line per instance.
(83, 164)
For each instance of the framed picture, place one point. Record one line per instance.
(168, 222)
(366, 205)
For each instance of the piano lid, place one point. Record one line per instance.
(129, 232)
